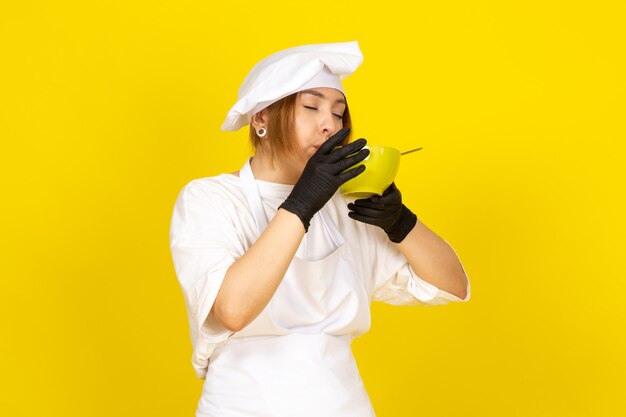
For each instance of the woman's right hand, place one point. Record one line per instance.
(323, 175)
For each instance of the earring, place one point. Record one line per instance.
(261, 132)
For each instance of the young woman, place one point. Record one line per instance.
(278, 269)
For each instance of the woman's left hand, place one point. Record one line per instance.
(386, 212)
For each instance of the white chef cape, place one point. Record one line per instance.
(213, 225)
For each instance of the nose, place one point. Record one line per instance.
(328, 125)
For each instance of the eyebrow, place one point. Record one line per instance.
(318, 94)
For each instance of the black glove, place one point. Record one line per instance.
(386, 212)
(323, 174)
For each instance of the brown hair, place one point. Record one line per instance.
(281, 129)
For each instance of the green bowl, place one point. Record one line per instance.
(381, 167)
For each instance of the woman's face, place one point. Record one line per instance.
(318, 116)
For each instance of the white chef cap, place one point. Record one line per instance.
(289, 71)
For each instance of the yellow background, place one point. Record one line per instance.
(109, 108)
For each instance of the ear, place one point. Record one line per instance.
(260, 119)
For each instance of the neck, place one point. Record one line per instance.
(281, 173)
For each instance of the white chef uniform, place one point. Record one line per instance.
(294, 359)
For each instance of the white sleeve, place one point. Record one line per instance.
(396, 283)
(203, 246)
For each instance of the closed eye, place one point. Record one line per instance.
(315, 108)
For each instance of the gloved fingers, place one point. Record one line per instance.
(390, 196)
(339, 153)
(370, 204)
(382, 217)
(345, 163)
(369, 212)
(333, 141)
(348, 175)
(361, 218)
